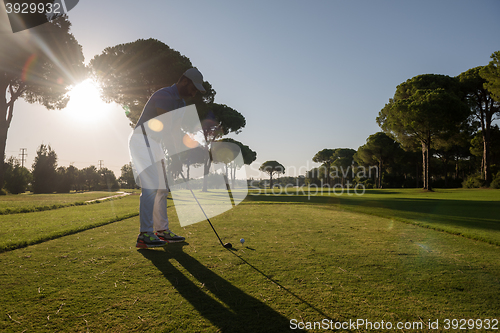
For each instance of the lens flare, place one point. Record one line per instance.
(155, 125)
(189, 141)
(28, 66)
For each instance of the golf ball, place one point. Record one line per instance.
(242, 240)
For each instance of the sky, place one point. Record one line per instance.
(307, 75)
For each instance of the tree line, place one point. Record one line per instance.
(47, 177)
(437, 131)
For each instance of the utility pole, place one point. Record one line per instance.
(23, 154)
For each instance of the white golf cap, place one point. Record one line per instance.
(196, 77)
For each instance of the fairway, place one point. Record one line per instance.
(388, 256)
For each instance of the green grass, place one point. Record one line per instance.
(18, 230)
(25, 203)
(302, 259)
(472, 213)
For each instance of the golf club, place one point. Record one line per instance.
(226, 245)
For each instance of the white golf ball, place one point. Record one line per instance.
(242, 240)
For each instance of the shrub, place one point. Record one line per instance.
(473, 181)
(496, 181)
(367, 183)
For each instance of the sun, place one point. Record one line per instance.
(85, 103)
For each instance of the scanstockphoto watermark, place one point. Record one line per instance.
(336, 179)
(370, 325)
(357, 324)
(333, 172)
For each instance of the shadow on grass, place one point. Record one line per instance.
(474, 214)
(232, 310)
(301, 300)
(295, 198)
(470, 214)
(475, 219)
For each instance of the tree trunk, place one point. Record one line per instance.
(426, 147)
(485, 118)
(3, 143)
(486, 154)
(206, 171)
(6, 113)
(6, 109)
(445, 167)
(271, 180)
(380, 174)
(234, 175)
(417, 174)
(328, 177)
(425, 163)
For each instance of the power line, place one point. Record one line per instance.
(23, 154)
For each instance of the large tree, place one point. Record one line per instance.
(44, 170)
(130, 73)
(342, 160)
(477, 147)
(423, 108)
(381, 148)
(127, 179)
(67, 179)
(40, 66)
(325, 157)
(484, 109)
(217, 120)
(90, 177)
(107, 180)
(452, 151)
(247, 154)
(272, 168)
(17, 177)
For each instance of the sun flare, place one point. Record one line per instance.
(85, 103)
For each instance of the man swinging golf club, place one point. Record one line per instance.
(154, 225)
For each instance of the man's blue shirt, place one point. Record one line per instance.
(167, 99)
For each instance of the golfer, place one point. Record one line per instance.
(154, 226)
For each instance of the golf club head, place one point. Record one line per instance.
(228, 246)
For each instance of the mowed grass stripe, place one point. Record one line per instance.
(27, 203)
(18, 230)
(328, 262)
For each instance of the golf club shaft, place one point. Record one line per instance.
(194, 196)
(166, 182)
